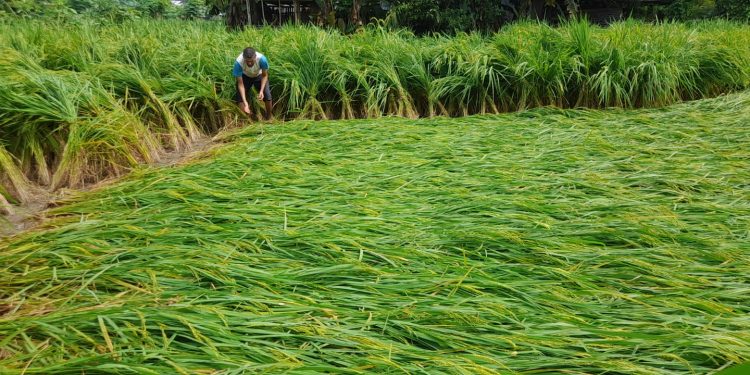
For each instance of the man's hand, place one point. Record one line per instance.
(245, 107)
(260, 95)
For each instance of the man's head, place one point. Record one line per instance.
(249, 55)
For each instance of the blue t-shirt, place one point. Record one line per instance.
(237, 70)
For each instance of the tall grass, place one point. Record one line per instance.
(152, 86)
(550, 241)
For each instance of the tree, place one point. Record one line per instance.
(734, 9)
(153, 8)
(216, 7)
(240, 13)
(328, 13)
(356, 6)
(192, 9)
(33, 8)
(452, 15)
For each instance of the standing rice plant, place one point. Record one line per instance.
(650, 68)
(106, 140)
(79, 48)
(193, 75)
(588, 61)
(422, 85)
(59, 121)
(306, 69)
(140, 94)
(387, 64)
(468, 76)
(15, 185)
(189, 96)
(536, 65)
(724, 58)
(174, 76)
(37, 105)
(346, 83)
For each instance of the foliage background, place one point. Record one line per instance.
(421, 16)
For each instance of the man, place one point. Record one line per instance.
(251, 70)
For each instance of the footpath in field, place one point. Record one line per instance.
(549, 240)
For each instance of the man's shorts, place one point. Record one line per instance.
(254, 82)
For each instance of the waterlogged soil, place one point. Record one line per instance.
(28, 215)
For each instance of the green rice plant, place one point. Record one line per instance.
(724, 58)
(174, 76)
(593, 81)
(386, 67)
(14, 182)
(536, 66)
(34, 102)
(659, 72)
(468, 76)
(77, 49)
(140, 93)
(422, 86)
(194, 98)
(66, 121)
(306, 70)
(545, 241)
(345, 83)
(108, 144)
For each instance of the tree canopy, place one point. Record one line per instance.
(421, 16)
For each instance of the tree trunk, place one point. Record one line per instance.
(571, 6)
(356, 5)
(296, 12)
(241, 13)
(247, 10)
(237, 14)
(328, 16)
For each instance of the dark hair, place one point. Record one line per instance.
(248, 53)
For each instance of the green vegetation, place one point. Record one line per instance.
(109, 10)
(734, 9)
(571, 237)
(701, 9)
(549, 241)
(95, 100)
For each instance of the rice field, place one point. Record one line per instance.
(96, 100)
(542, 242)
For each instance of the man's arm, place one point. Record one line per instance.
(237, 73)
(263, 63)
(263, 83)
(241, 89)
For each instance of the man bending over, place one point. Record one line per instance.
(251, 70)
